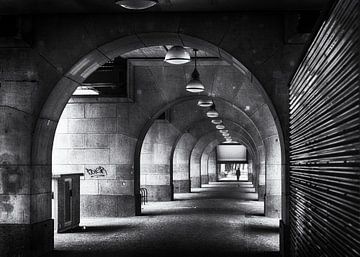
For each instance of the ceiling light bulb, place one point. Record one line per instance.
(226, 134)
(224, 131)
(212, 114)
(216, 122)
(220, 126)
(195, 85)
(136, 4)
(205, 102)
(177, 55)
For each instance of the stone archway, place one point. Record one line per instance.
(51, 111)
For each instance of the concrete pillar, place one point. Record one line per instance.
(261, 173)
(155, 161)
(212, 166)
(98, 139)
(195, 169)
(181, 167)
(250, 170)
(204, 168)
(26, 227)
(273, 196)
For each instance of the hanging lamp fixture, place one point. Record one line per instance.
(216, 122)
(224, 131)
(205, 102)
(212, 113)
(137, 4)
(177, 55)
(220, 126)
(195, 85)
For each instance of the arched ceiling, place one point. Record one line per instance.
(185, 114)
(235, 96)
(95, 6)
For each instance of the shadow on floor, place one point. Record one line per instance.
(100, 229)
(262, 229)
(189, 212)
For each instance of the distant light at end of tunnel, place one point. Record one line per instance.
(85, 91)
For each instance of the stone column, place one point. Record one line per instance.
(181, 167)
(98, 139)
(212, 166)
(204, 168)
(155, 161)
(195, 169)
(26, 227)
(273, 196)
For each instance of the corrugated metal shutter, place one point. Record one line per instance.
(325, 141)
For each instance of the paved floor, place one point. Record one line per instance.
(220, 219)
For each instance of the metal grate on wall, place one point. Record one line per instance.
(324, 175)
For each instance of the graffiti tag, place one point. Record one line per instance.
(97, 172)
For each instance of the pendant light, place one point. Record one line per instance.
(216, 122)
(212, 113)
(195, 85)
(220, 126)
(205, 102)
(224, 131)
(136, 4)
(177, 55)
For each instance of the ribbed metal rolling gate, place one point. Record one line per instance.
(324, 177)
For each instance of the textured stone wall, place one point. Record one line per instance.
(181, 163)
(155, 171)
(94, 139)
(25, 187)
(195, 169)
(204, 168)
(212, 169)
(205, 173)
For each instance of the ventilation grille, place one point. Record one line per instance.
(325, 141)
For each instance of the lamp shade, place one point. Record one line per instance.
(195, 85)
(205, 102)
(212, 114)
(177, 55)
(136, 4)
(220, 126)
(216, 122)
